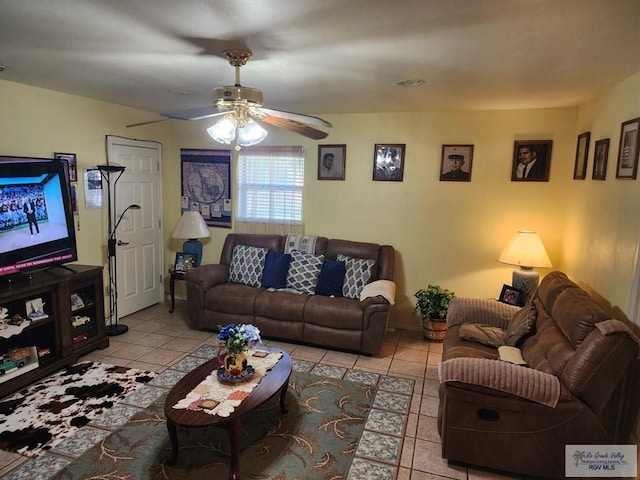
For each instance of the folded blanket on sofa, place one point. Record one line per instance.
(301, 243)
(385, 288)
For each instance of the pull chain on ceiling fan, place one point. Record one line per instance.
(241, 106)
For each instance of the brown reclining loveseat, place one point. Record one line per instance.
(520, 418)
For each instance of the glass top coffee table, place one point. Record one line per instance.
(276, 379)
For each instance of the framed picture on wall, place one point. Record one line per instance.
(600, 157)
(582, 153)
(628, 151)
(331, 162)
(73, 165)
(455, 164)
(531, 160)
(388, 162)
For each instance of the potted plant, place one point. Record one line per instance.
(432, 305)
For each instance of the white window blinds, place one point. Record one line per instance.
(270, 185)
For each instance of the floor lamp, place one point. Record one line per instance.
(113, 328)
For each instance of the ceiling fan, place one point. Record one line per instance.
(240, 107)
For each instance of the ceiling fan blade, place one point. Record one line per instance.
(139, 124)
(297, 117)
(294, 126)
(196, 113)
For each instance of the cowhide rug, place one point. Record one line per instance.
(45, 413)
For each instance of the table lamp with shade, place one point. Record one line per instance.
(192, 227)
(527, 251)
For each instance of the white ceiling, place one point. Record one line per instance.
(325, 56)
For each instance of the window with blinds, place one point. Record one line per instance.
(270, 185)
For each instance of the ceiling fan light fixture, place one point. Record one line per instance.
(223, 131)
(251, 134)
(413, 82)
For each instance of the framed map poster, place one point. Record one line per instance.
(206, 183)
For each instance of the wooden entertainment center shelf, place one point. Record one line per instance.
(70, 325)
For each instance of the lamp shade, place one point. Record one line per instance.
(191, 225)
(526, 250)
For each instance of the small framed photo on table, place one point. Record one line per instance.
(184, 262)
(511, 295)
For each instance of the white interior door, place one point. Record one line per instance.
(139, 239)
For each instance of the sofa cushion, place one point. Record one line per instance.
(247, 264)
(282, 306)
(336, 313)
(231, 298)
(276, 267)
(521, 324)
(331, 278)
(304, 271)
(484, 334)
(357, 274)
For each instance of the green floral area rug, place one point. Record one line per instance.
(316, 439)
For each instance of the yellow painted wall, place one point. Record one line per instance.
(447, 233)
(603, 219)
(38, 122)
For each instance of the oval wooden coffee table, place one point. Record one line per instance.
(276, 379)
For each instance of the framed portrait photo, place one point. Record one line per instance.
(511, 295)
(388, 162)
(331, 162)
(582, 153)
(73, 165)
(600, 158)
(531, 160)
(455, 164)
(184, 262)
(628, 152)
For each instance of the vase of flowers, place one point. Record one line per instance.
(233, 350)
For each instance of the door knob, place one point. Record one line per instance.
(120, 242)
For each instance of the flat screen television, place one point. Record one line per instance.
(36, 219)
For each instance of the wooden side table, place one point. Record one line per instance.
(172, 286)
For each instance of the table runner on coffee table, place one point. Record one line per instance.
(228, 396)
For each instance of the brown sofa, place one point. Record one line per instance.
(335, 322)
(517, 418)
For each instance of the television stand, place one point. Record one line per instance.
(71, 322)
(65, 267)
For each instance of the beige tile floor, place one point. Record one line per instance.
(157, 339)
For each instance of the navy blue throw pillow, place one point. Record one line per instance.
(276, 267)
(331, 278)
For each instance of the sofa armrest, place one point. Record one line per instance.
(378, 300)
(384, 288)
(207, 276)
(528, 383)
(479, 310)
